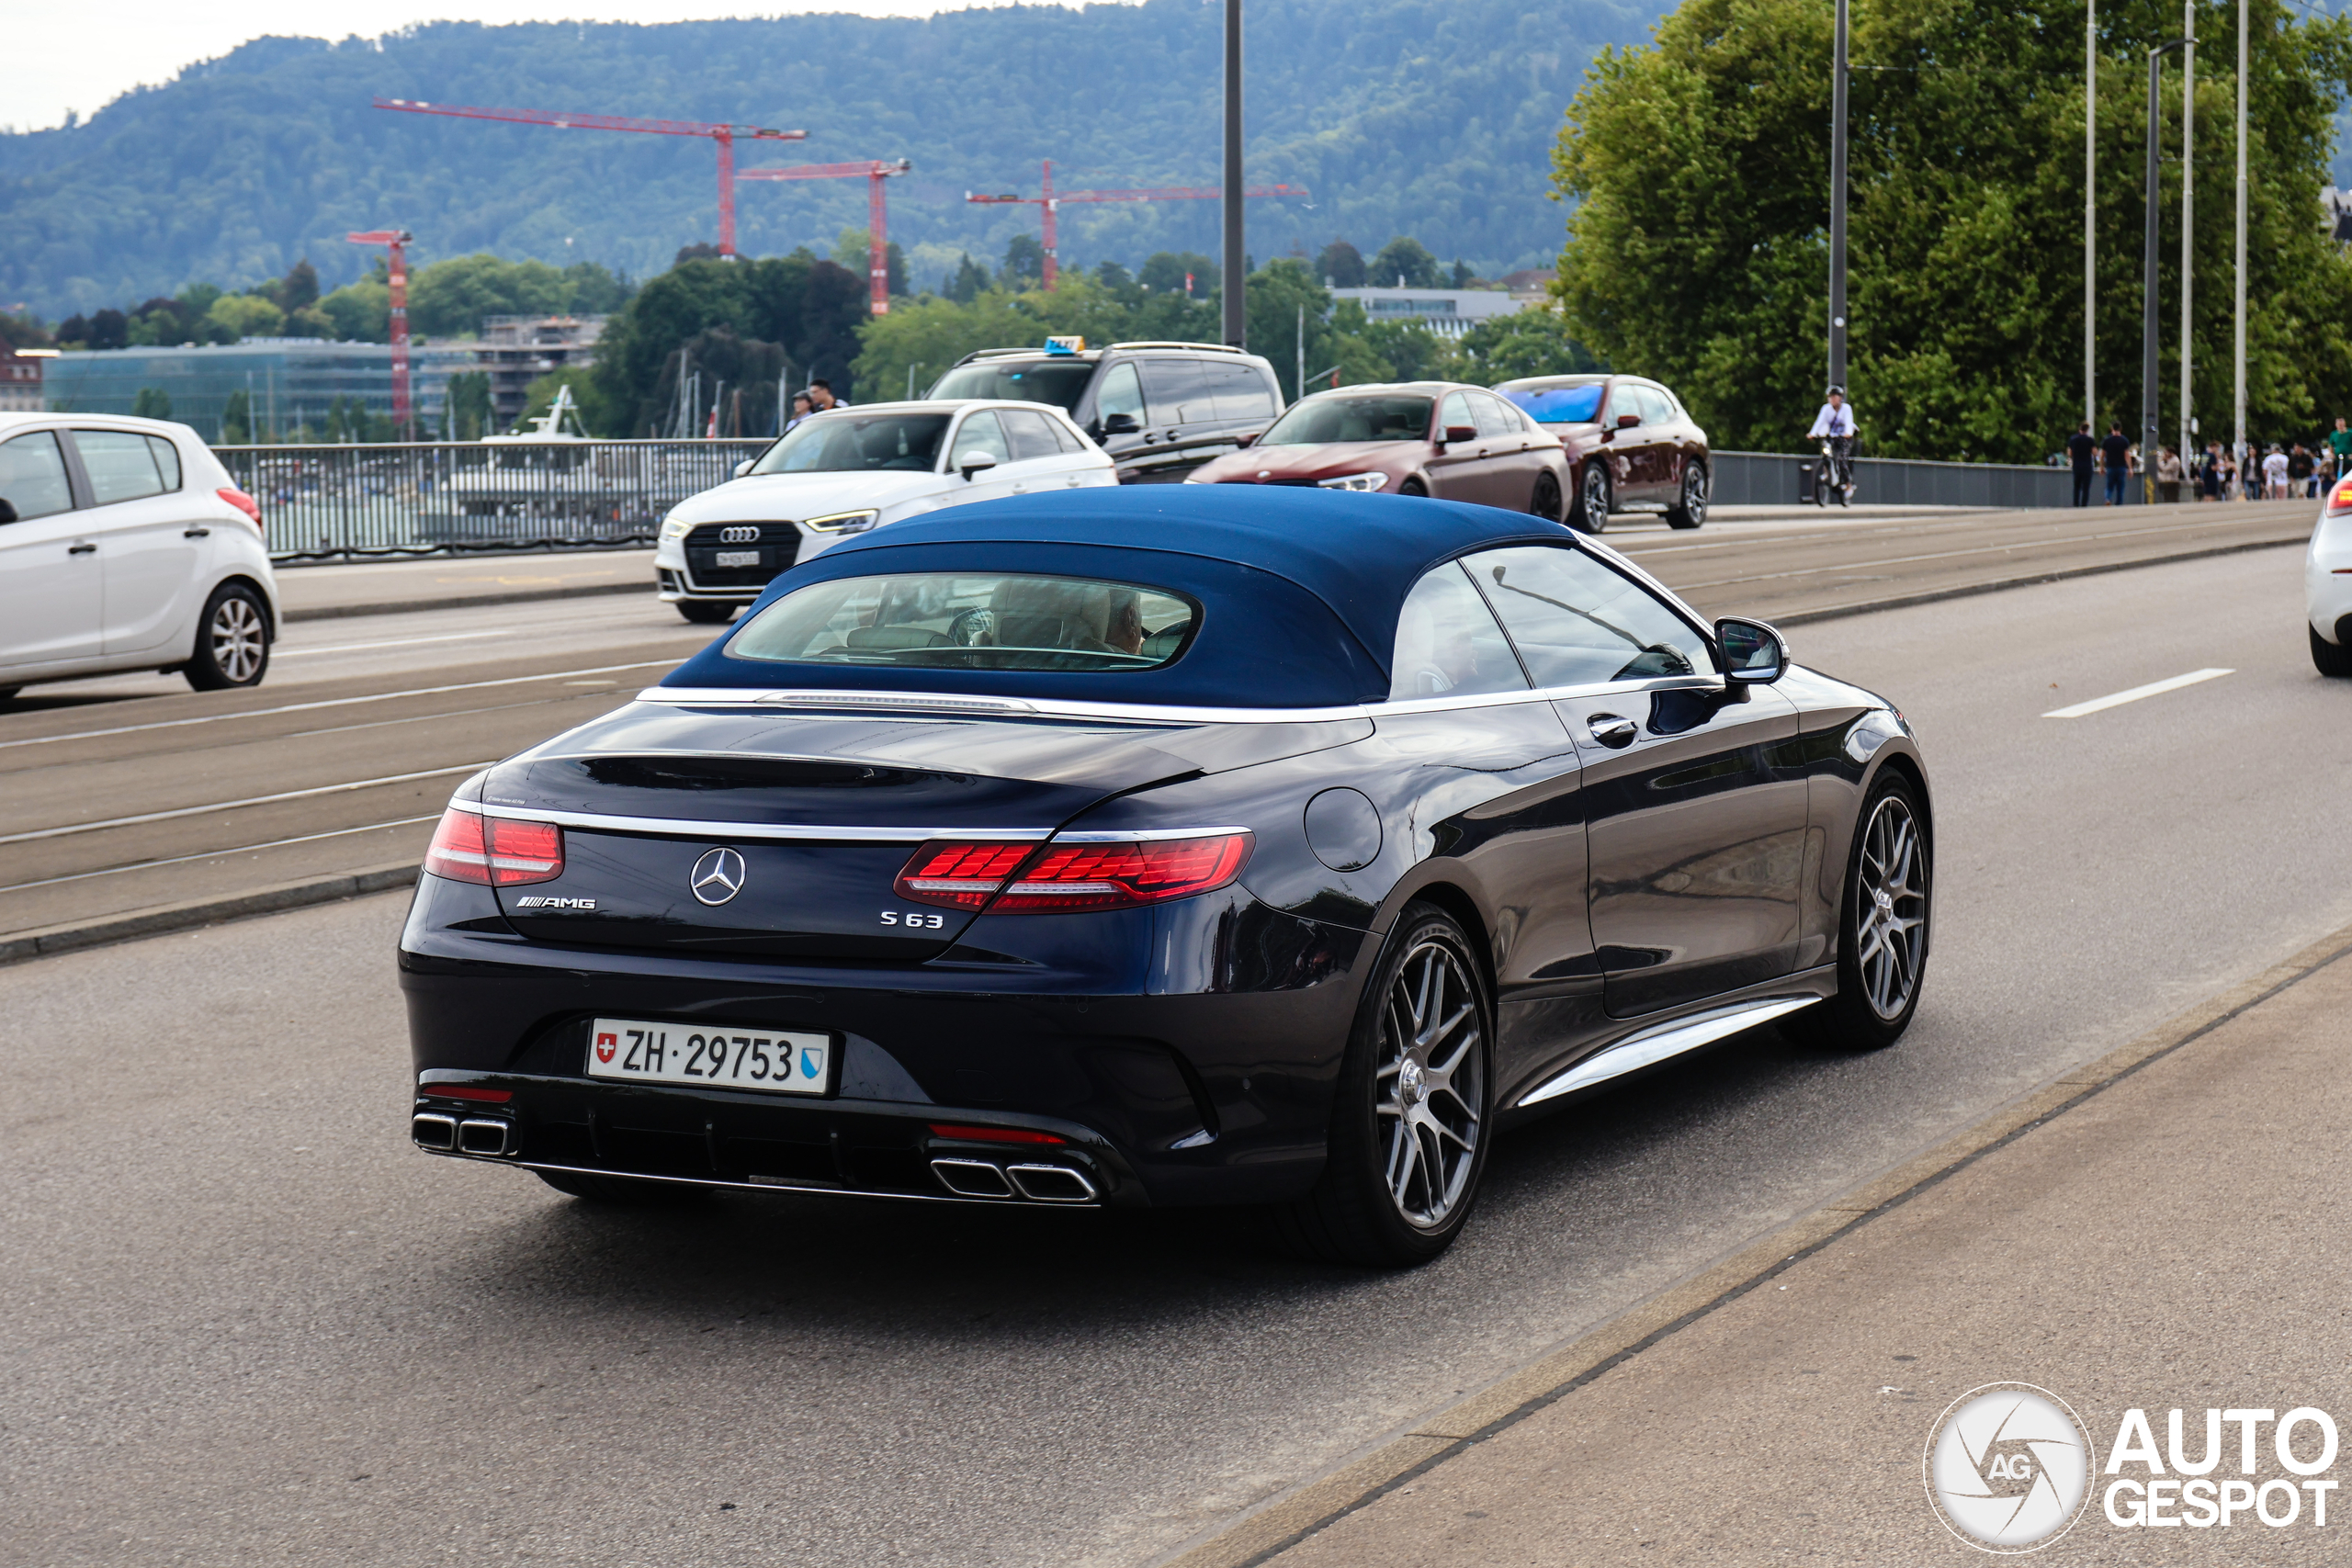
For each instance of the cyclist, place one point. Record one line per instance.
(1834, 426)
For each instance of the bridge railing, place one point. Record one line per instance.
(1773, 478)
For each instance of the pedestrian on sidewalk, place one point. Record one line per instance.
(800, 410)
(2083, 447)
(2115, 454)
(822, 399)
(2274, 475)
(2299, 471)
(2209, 472)
(2169, 476)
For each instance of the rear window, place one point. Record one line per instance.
(973, 621)
(1061, 382)
(1558, 405)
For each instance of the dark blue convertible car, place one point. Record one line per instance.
(1231, 845)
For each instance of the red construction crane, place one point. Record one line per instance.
(878, 260)
(724, 135)
(395, 241)
(1050, 201)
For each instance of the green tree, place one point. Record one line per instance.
(151, 403)
(1024, 262)
(1697, 248)
(466, 415)
(361, 312)
(239, 316)
(1340, 265)
(300, 288)
(808, 309)
(1284, 297)
(237, 420)
(449, 299)
(1164, 272)
(929, 334)
(971, 278)
(1403, 261)
(1533, 341)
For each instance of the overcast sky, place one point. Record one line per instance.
(81, 56)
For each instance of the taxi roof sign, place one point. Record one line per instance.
(1066, 343)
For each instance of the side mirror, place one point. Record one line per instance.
(8, 513)
(1754, 654)
(975, 465)
(1249, 440)
(742, 468)
(1627, 420)
(1120, 424)
(1461, 433)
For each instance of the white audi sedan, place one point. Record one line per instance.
(851, 469)
(2327, 582)
(125, 545)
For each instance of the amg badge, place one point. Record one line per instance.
(539, 902)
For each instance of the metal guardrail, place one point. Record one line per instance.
(424, 498)
(1772, 479)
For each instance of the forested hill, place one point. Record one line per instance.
(1433, 117)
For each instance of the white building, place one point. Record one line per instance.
(1448, 312)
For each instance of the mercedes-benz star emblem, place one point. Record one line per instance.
(718, 876)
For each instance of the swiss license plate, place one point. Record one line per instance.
(735, 557)
(783, 1061)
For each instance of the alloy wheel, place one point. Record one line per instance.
(1891, 932)
(237, 639)
(1596, 499)
(1431, 1084)
(1694, 494)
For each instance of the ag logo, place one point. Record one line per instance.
(718, 876)
(605, 1045)
(2008, 1467)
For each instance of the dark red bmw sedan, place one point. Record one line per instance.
(1435, 438)
(1630, 443)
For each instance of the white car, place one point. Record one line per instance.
(125, 545)
(850, 469)
(2327, 582)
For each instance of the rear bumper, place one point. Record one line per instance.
(1158, 1095)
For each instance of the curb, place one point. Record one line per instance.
(1970, 590)
(195, 912)
(461, 600)
(1364, 1478)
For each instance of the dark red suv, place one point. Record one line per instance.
(1631, 446)
(1437, 438)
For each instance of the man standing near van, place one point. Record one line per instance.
(2082, 449)
(2116, 455)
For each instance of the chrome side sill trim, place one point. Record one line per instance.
(1642, 1050)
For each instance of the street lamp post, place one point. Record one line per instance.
(2187, 214)
(2090, 215)
(1237, 260)
(1838, 204)
(2237, 399)
(2148, 286)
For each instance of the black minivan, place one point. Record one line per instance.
(1160, 410)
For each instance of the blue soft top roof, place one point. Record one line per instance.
(1299, 588)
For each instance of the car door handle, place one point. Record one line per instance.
(196, 533)
(84, 549)
(1613, 730)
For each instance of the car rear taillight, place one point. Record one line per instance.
(2339, 499)
(1012, 879)
(243, 503)
(490, 851)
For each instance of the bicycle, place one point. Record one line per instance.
(1836, 473)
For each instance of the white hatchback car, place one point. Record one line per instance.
(850, 469)
(2327, 582)
(125, 545)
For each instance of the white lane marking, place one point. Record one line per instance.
(335, 702)
(396, 642)
(233, 804)
(2152, 689)
(216, 854)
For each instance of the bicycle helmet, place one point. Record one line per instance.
(1835, 392)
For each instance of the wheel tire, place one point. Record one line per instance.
(2328, 658)
(231, 640)
(1890, 855)
(707, 611)
(1591, 513)
(1428, 1004)
(622, 1189)
(1546, 502)
(1691, 510)
(1413, 487)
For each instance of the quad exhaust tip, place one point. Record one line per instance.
(1038, 1183)
(972, 1178)
(446, 1135)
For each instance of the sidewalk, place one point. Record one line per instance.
(2173, 1240)
(439, 582)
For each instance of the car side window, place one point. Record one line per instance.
(1179, 392)
(121, 466)
(1454, 411)
(1031, 435)
(1579, 623)
(1241, 392)
(978, 434)
(167, 460)
(32, 476)
(1656, 407)
(1448, 643)
(1121, 393)
(1495, 419)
